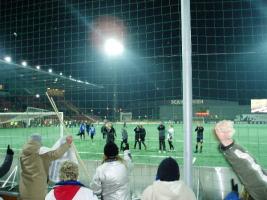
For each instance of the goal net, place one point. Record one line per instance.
(126, 116)
(17, 127)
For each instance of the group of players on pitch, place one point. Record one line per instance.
(109, 133)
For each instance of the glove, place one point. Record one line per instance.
(234, 186)
(9, 151)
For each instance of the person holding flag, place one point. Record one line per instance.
(35, 161)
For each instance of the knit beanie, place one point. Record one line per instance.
(168, 170)
(111, 150)
(36, 138)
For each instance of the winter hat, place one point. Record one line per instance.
(168, 170)
(111, 150)
(69, 171)
(36, 138)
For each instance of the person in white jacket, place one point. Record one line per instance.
(111, 179)
(168, 185)
(69, 187)
(170, 137)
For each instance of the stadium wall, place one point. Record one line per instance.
(216, 108)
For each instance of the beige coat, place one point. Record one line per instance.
(173, 190)
(34, 170)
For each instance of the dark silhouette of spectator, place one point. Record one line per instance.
(5, 167)
(162, 146)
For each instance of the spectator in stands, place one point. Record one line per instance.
(34, 162)
(161, 129)
(111, 180)
(168, 184)
(7, 162)
(69, 188)
(250, 173)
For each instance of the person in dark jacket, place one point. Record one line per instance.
(137, 136)
(250, 173)
(104, 130)
(5, 167)
(199, 129)
(143, 135)
(111, 133)
(162, 146)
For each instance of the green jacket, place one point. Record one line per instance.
(34, 170)
(251, 175)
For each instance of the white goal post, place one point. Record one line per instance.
(126, 116)
(26, 117)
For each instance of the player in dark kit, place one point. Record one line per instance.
(143, 135)
(199, 129)
(161, 129)
(104, 130)
(137, 136)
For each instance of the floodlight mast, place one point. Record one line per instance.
(187, 90)
(114, 48)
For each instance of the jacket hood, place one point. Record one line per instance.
(173, 190)
(31, 147)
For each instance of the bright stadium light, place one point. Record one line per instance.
(60, 74)
(37, 95)
(50, 70)
(113, 47)
(38, 67)
(24, 63)
(8, 59)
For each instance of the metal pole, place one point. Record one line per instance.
(61, 128)
(187, 89)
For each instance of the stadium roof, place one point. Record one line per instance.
(30, 81)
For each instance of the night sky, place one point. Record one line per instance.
(229, 48)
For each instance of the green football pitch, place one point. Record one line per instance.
(252, 137)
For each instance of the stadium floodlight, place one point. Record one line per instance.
(38, 67)
(8, 59)
(24, 63)
(70, 76)
(60, 74)
(50, 70)
(37, 95)
(113, 47)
